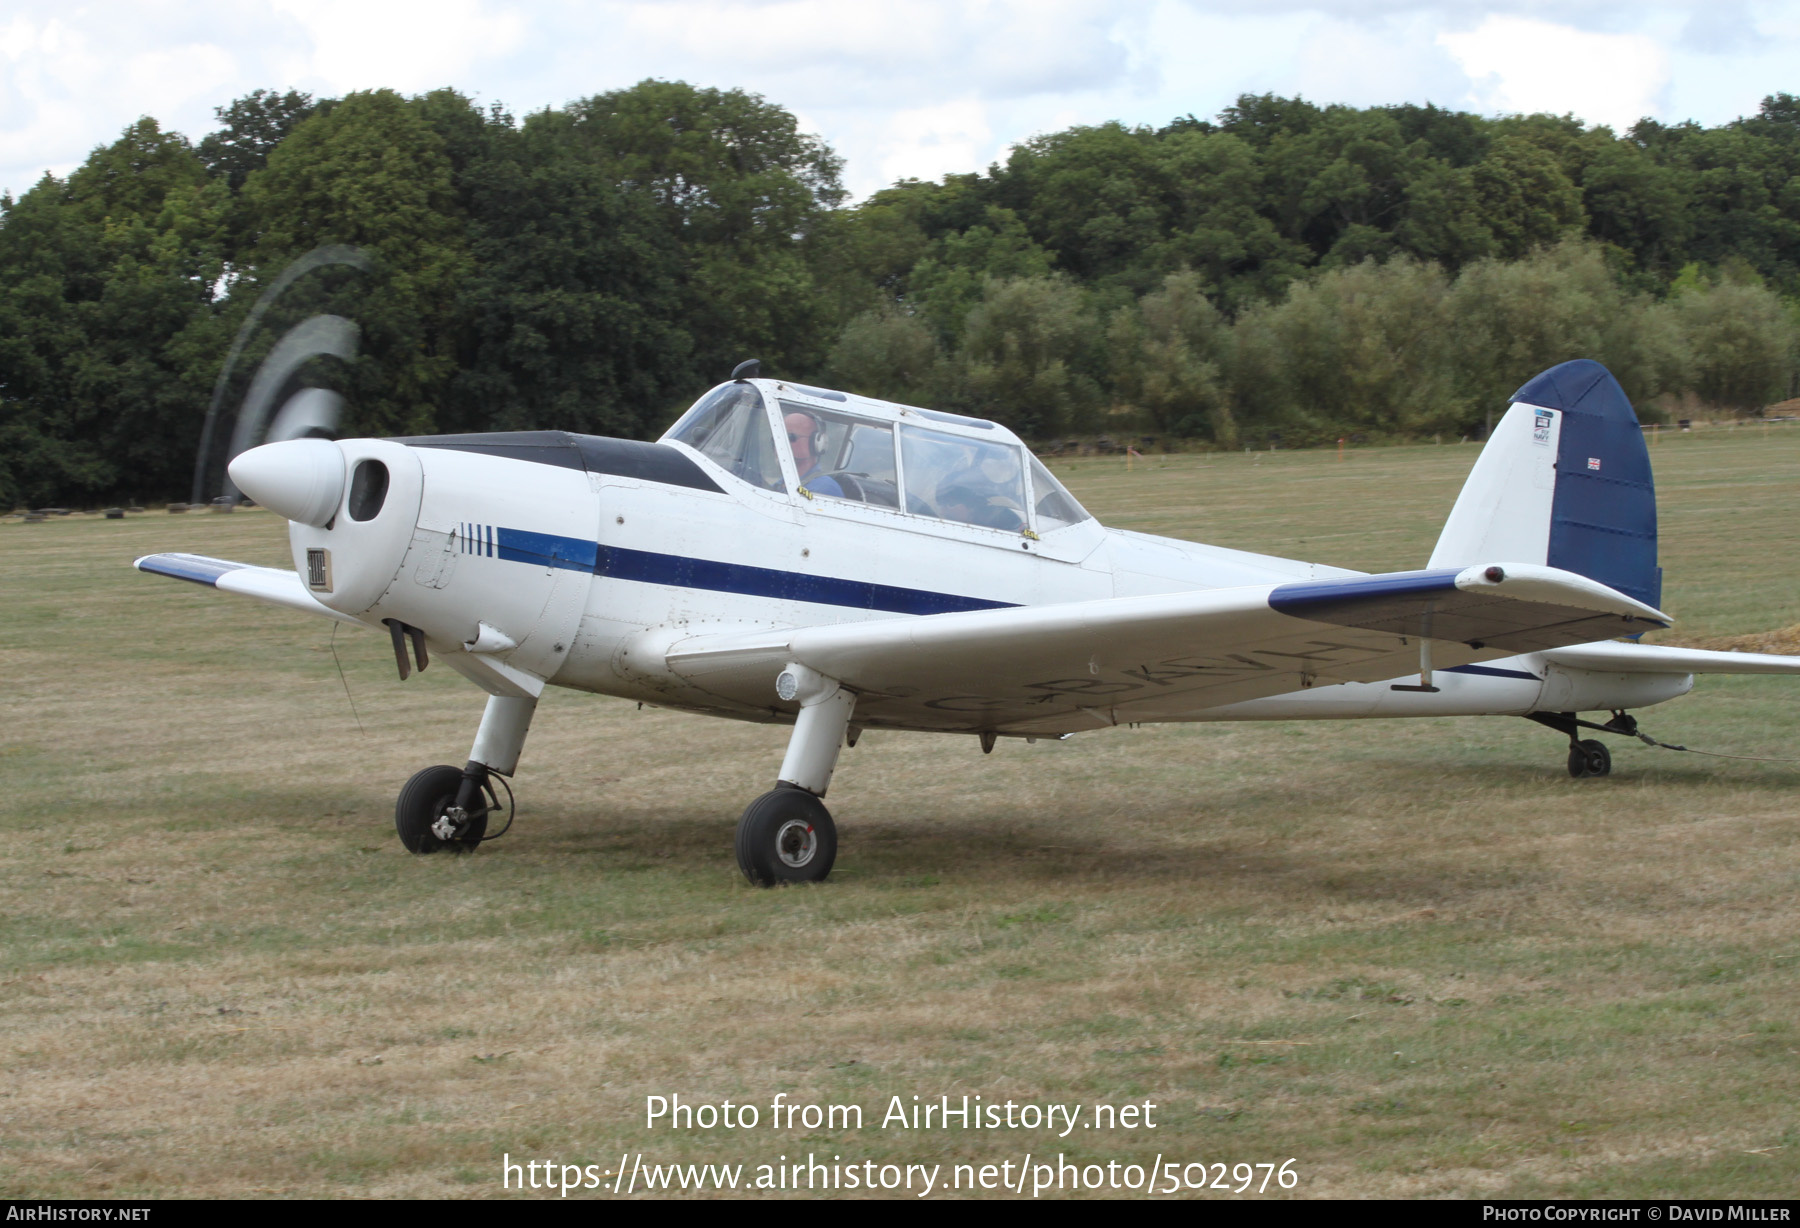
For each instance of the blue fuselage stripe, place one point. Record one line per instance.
(648, 567)
(1490, 672)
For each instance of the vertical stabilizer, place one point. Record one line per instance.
(1565, 481)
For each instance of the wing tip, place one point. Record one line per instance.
(1536, 580)
(194, 568)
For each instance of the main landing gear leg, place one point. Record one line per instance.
(445, 807)
(1589, 756)
(786, 835)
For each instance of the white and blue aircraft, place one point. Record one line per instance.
(794, 555)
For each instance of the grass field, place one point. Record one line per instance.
(1414, 956)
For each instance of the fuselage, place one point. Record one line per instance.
(581, 562)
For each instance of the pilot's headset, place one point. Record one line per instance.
(817, 438)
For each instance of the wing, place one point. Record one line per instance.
(1616, 658)
(267, 584)
(1064, 668)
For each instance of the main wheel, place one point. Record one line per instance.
(422, 802)
(786, 836)
(1589, 758)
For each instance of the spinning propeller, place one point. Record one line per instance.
(280, 403)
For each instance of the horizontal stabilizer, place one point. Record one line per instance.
(1516, 606)
(272, 585)
(1617, 658)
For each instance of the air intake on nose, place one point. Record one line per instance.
(368, 489)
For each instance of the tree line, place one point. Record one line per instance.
(1286, 271)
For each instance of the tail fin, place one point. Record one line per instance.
(1564, 481)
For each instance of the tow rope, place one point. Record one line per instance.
(1716, 754)
(1625, 726)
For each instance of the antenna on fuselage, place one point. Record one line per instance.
(750, 368)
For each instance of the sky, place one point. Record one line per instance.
(901, 88)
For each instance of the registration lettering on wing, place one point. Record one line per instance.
(1304, 659)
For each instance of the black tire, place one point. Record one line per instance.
(786, 836)
(423, 799)
(1599, 759)
(1578, 762)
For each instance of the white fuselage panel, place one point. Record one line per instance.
(588, 580)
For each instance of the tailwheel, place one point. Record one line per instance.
(428, 817)
(786, 836)
(1589, 758)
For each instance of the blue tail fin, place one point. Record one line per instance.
(1603, 519)
(1564, 480)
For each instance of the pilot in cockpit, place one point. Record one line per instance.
(806, 436)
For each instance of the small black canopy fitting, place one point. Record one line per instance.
(750, 368)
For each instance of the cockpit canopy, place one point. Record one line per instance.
(779, 436)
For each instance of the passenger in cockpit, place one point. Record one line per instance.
(969, 506)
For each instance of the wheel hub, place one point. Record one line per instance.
(796, 842)
(449, 824)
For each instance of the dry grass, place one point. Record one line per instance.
(1783, 640)
(222, 976)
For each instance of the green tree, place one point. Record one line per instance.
(572, 316)
(250, 128)
(1340, 186)
(1524, 197)
(946, 283)
(1636, 205)
(1022, 353)
(1361, 348)
(1741, 341)
(1167, 356)
(1511, 320)
(107, 327)
(743, 195)
(1216, 229)
(373, 173)
(1096, 197)
(887, 353)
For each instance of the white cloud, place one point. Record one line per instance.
(867, 53)
(930, 142)
(407, 45)
(73, 77)
(903, 87)
(1518, 64)
(1372, 63)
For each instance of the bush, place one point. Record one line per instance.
(1020, 352)
(1513, 320)
(1741, 343)
(886, 353)
(1166, 357)
(1363, 348)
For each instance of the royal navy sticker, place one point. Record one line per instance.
(1540, 427)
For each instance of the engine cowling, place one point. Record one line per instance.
(351, 506)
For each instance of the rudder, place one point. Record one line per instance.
(1565, 481)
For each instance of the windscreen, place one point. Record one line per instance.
(1056, 507)
(730, 427)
